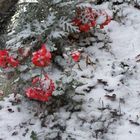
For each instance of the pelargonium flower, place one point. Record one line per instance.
(75, 56)
(42, 57)
(93, 23)
(6, 60)
(106, 17)
(86, 18)
(108, 20)
(4, 53)
(35, 80)
(84, 27)
(42, 89)
(12, 62)
(77, 22)
(37, 94)
(90, 13)
(3, 58)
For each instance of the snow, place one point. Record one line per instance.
(101, 115)
(12, 120)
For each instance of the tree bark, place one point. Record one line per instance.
(7, 10)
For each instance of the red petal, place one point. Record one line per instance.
(84, 28)
(13, 62)
(76, 56)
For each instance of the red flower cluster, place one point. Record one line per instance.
(86, 19)
(42, 89)
(107, 21)
(42, 57)
(6, 60)
(75, 56)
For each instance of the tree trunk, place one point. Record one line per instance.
(7, 10)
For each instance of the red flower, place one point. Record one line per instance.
(3, 58)
(6, 60)
(87, 14)
(84, 27)
(107, 21)
(35, 80)
(36, 94)
(77, 22)
(3, 62)
(42, 57)
(12, 61)
(42, 90)
(4, 53)
(86, 19)
(76, 56)
(93, 23)
(47, 84)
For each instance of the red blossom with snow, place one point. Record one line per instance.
(6, 60)
(86, 19)
(42, 57)
(76, 22)
(12, 62)
(42, 89)
(3, 58)
(84, 28)
(76, 56)
(106, 21)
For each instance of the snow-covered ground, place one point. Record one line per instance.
(110, 107)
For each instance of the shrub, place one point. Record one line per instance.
(36, 40)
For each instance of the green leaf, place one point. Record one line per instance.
(33, 136)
